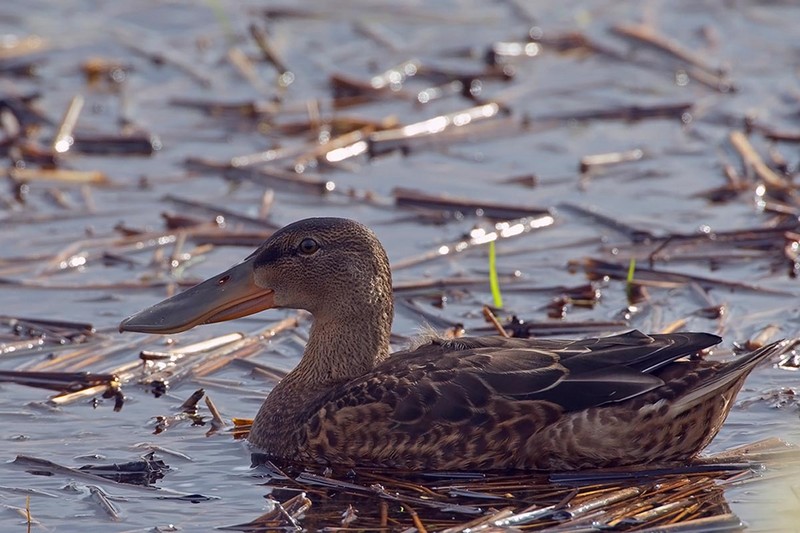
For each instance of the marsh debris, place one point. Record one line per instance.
(636, 498)
(145, 471)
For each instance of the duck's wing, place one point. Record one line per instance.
(573, 374)
(464, 382)
(633, 349)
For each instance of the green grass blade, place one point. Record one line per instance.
(631, 269)
(493, 281)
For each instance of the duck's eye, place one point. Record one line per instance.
(308, 246)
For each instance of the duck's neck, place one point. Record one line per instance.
(337, 351)
(342, 347)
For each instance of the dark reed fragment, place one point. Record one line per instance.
(252, 109)
(558, 306)
(469, 85)
(216, 232)
(283, 179)
(271, 176)
(173, 221)
(135, 144)
(495, 210)
(59, 381)
(20, 67)
(63, 325)
(23, 109)
(571, 42)
(467, 78)
(348, 91)
(778, 135)
(520, 328)
(44, 332)
(724, 193)
(189, 410)
(630, 113)
(584, 296)
(636, 235)
(189, 406)
(261, 38)
(145, 471)
(44, 467)
(524, 180)
(22, 150)
(217, 211)
(712, 246)
(598, 269)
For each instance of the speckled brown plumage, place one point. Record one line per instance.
(470, 403)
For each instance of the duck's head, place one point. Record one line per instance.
(335, 268)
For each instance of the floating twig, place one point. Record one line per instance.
(64, 137)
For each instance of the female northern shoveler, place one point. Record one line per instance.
(469, 403)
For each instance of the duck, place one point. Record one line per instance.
(469, 403)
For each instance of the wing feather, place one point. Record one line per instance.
(447, 386)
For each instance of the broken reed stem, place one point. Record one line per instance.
(649, 36)
(674, 326)
(754, 161)
(415, 518)
(215, 415)
(383, 506)
(490, 317)
(64, 139)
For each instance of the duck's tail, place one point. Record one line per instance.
(731, 376)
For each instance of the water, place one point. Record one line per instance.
(659, 193)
